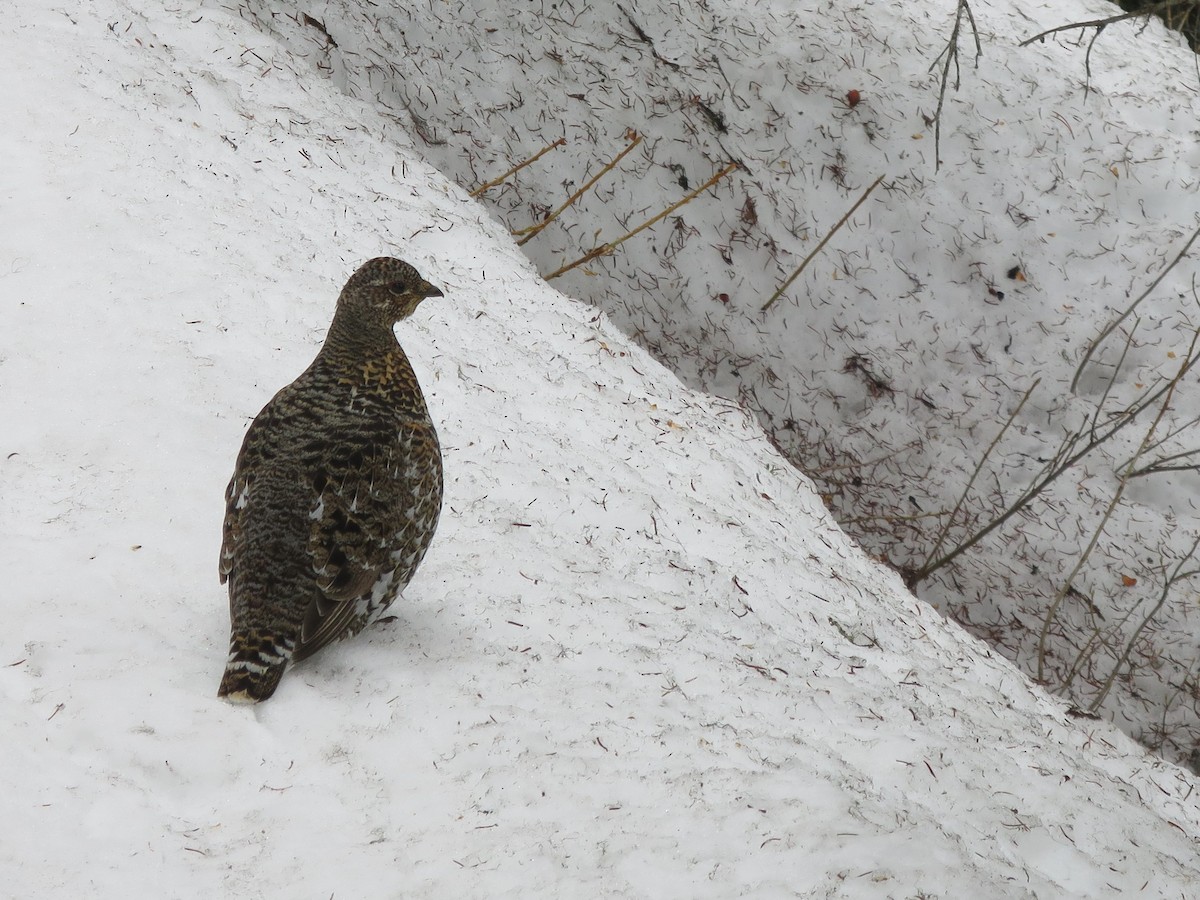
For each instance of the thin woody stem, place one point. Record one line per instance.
(518, 167)
(842, 221)
(605, 249)
(534, 230)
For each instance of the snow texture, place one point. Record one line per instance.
(640, 659)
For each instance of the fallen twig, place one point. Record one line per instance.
(605, 249)
(842, 221)
(534, 230)
(518, 167)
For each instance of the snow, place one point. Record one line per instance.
(891, 364)
(640, 658)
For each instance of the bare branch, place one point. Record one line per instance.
(951, 55)
(923, 572)
(1122, 484)
(1068, 454)
(1176, 576)
(1103, 336)
(1101, 24)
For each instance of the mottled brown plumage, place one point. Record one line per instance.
(336, 491)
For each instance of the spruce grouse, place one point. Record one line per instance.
(336, 491)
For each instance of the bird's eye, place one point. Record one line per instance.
(397, 288)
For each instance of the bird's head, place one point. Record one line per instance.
(385, 289)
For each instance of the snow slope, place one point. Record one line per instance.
(889, 366)
(639, 660)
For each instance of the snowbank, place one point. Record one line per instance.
(639, 660)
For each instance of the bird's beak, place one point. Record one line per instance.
(428, 290)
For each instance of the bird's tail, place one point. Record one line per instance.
(255, 665)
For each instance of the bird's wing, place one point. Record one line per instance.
(256, 450)
(231, 528)
(325, 621)
(356, 521)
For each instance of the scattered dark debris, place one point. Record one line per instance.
(877, 386)
(320, 26)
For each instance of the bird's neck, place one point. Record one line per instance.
(366, 356)
(354, 337)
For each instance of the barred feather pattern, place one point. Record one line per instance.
(336, 492)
